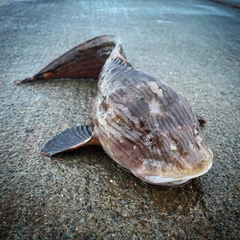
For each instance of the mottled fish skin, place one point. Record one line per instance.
(151, 128)
(139, 120)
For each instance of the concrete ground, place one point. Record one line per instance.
(193, 44)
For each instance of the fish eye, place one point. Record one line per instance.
(149, 139)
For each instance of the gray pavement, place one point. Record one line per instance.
(193, 44)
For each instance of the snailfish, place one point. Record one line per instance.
(139, 120)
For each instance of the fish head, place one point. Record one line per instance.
(171, 157)
(156, 137)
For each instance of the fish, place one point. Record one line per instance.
(139, 120)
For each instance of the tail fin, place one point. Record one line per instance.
(83, 61)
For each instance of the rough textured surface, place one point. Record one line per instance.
(194, 45)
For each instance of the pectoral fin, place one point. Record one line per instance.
(201, 120)
(69, 139)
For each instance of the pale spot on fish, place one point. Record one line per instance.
(191, 146)
(156, 108)
(173, 146)
(199, 139)
(195, 132)
(152, 163)
(155, 88)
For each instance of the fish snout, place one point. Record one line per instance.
(175, 160)
(171, 175)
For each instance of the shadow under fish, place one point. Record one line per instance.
(138, 119)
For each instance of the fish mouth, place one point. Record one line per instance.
(173, 181)
(177, 180)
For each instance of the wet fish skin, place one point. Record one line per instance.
(138, 119)
(151, 128)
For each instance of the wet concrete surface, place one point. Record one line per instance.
(193, 44)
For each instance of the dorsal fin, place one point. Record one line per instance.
(83, 61)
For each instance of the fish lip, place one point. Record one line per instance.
(174, 181)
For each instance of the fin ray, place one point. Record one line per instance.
(83, 61)
(69, 139)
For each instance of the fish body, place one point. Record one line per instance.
(139, 120)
